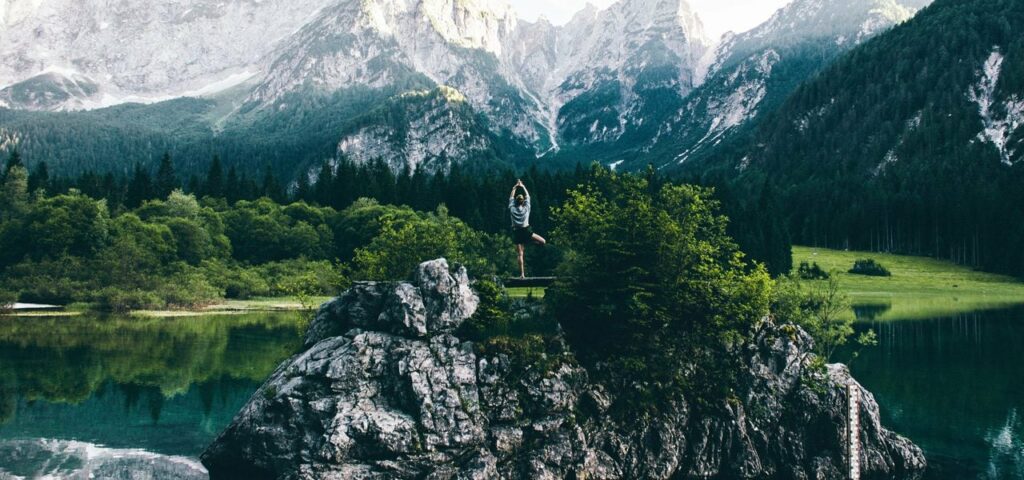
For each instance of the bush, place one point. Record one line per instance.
(303, 277)
(493, 315)
(7, 299)
(236, 282)
(188, 290)
(540, 353)
(869, 267)
(118, 300)
(811, 271)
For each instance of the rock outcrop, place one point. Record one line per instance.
(385, 389)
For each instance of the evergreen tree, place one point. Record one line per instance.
(231, 186)
(302, 190)
(40, 178)
(270, 187)
(14, 193)
(322, 193)
(166, 179)
(214, 185)
(13, 161)
(140, 188)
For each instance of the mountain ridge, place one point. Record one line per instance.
(612, 85)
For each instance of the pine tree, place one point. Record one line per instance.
(140, 188)
(302, 190)
(231, 186)
(40, 178)
(13, 161)
(324, 185)
(270, 188)
(14, 193)
(166, 179)
(214, 185)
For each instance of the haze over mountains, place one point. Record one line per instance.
(638, 78)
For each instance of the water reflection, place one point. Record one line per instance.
(163, 385)
(953, 385)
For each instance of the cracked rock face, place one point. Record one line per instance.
(385, 390)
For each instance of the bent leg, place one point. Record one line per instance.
(539, 240)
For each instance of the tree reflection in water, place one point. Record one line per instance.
(164, 384)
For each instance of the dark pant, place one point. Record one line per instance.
(522, 235)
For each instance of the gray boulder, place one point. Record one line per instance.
(385, 390)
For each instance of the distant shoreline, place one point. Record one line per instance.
(919, 287)
(223, 307)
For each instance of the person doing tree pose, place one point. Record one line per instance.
(519, 207)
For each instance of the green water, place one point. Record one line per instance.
(163, 386)
(955, 386)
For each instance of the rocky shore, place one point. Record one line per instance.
(384, 389)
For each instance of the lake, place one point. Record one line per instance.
(104, 396)
(85, 396)
(955, 386)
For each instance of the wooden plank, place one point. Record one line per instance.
(534, 282)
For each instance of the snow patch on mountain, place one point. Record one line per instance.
(1000, 119)
(747, 87)
(891, 156)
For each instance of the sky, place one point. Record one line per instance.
(719, 16)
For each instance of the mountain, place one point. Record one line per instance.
(429, 129)
(294, 84)
(600, 80)
(135, 50)
(590, 81)
(753, 72)
(913, 142)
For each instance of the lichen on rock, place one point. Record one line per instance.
(384, 389)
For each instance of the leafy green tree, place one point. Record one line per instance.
(404, 243)
(652, 285)
(822, 309)
(69, 224)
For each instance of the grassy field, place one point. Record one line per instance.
(918, 288)
(523, 292)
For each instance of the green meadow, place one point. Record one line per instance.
(918, 288)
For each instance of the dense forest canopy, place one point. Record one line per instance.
(146, 240)
(887, 149)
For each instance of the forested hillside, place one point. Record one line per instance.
(911, 143)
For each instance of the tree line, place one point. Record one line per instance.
(459, 198)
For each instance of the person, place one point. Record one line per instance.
(519, 208)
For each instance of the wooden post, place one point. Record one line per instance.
(853, 431)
